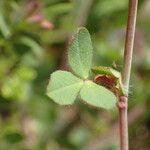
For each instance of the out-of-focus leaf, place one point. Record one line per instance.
(80, 53)
(5, 65)
(106, 7)
(26, 73)
(15, 88)
(4, 27)
(63, 87)
(97, 95)
(13, 138)
(57, 9)
(35, 47)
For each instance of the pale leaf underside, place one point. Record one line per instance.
(80, 53)
(64, 87)
(97, 95)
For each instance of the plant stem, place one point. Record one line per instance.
(128, 52)
(130, 32)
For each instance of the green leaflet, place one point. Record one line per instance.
(97, 95)
(106, 71)
(80, 53)
(63, 87)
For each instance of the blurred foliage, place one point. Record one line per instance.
(34, 37)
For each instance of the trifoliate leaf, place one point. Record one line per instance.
(80, 53)
(64, 87)
(97, 95)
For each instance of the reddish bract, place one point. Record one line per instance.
(105, 79)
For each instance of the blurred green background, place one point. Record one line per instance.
(34, 36)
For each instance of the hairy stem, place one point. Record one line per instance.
(128, 52)
(130, 32)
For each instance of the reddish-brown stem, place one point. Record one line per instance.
(123, 122)
(128, 51)
(130, 32)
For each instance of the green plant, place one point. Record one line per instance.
(108, 87)
(102, 91)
